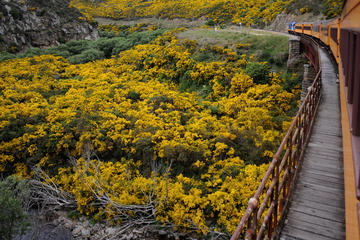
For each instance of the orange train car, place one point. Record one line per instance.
(322, 31)
(341, 36)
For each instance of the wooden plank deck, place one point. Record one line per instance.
(317, 210)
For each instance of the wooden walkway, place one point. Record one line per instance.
(317, 210)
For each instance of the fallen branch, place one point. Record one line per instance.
(44, 191)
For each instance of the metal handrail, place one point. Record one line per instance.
(279, 178)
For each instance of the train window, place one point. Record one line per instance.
(344, 52)
(348, 57)
(351, 67)
(324, 30)
(356, 92)
(334, 34)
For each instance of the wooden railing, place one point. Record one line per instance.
(267, 207)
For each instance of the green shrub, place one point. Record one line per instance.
(133, 95)
(290, 82)
(105, 34)
(6, 56)
(258, 72)
(210, 22)
(76, 47)
(145, 37)
(13, 218)
(106, 45)
(206, 56)
(34, 51)
(86, 56)
(122, 45)
(58, 52)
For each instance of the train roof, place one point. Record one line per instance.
(318, 22)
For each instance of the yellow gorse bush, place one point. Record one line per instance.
(246, 12)
(333, 8)
(220, 196)
(186, 155)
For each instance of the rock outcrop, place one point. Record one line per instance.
(41, 23)
(56, 225)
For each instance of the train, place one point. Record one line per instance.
(341, 37)
(327, 32)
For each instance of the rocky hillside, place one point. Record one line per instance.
(281, 22)
(40, 23)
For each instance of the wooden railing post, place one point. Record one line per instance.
(276, 196)
(252, 221)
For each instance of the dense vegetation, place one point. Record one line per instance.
(260, 12)
(329, 8)
(113, 40)
(14, 194)
(332, 8)
(169, 131)
(247, 12)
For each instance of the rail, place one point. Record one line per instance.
(279, 178)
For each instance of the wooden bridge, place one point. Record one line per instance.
(311, 208)
(311, 190)
(317, 209)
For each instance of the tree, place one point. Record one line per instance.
(13, 217)
(259, 72)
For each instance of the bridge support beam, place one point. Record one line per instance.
(294, 48)
(296, 63)
(296, 59)
(309, 76)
